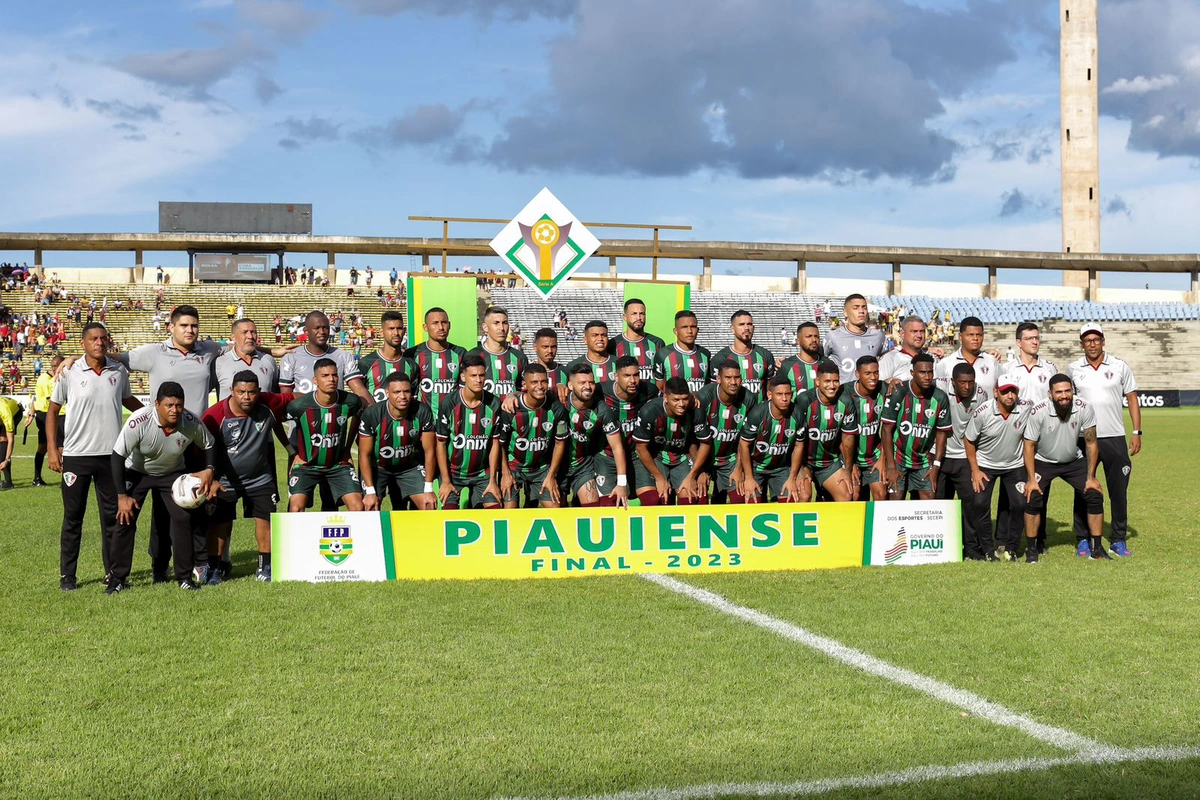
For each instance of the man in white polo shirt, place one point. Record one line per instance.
(987, 370)
(1103, 381)
(1029, 371)
(895, 366)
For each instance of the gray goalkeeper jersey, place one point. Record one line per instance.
(296, 368)
(845, 348)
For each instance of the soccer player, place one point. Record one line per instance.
(683, 359)
(769, 458)
(801, 369)
(245, 355)
(916, 422)
(726, 405)
(1103, 381)
(437, 360)
(503, 363)
(827, 424)
(673, 442)
(635, 342)
(389, 358)
(626, 394)
(326, 419)
(468, 453)
(93, 390)
(853, 339)
(11, 413)
(533, 439)
(955, 475)
(595, 336)
(590, 424)
(757, 363)
(995, 452)
(297, 370)
(242, 426)
(866, 396)
(1029, 370)
(43, 389)
(397, 448)
(147, 458)
(1052, 437)
(987, 369)
(545, 351)
(895, 366)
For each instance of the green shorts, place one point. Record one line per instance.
(869, 476)
(773, 482)
(575, 479)
(476, 496)
(400, 485)
(822, 474)
(341, 479)
(722, 477)
(643, 479)
(529, 484)
(913, 480)
(606, 474)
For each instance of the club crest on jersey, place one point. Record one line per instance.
(258, 426)
(1108, 374)
(341, 420)
(547, 425)
(588, 424)
(929, 413)
(739, 418)
(838, 416)
(235, 433)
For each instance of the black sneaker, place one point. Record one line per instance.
(67, 583)
(189, 586)
(1031, 555)
(162, 577)
(1100, 554)
(5, 486)
(226, 568)
(116, 587)
(39, 482)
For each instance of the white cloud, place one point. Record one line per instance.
(1141, 84)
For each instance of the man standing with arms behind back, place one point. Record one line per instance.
(756, 362)
(437, 360)
(1102, 381)
(854, 339)
(635, 341)
(245, 355)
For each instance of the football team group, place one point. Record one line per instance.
(635, 417)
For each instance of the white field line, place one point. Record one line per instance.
(901, 777)
(968, 701)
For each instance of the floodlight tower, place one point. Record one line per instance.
(1079, 131)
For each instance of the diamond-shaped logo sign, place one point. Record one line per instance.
(545, 243)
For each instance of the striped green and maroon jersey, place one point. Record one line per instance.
(670, 438)
(725, 421)
(528, 434)
(626, 411)
(645, 350)
(800, 374)
(588, 430)
(374, 368)
(602, 371)
(503, 375)
(691, 365)
(869, 411)
(758, 366)
(468, 433)
(824, 426)
(437, 370)
(397, 442)
(913, 423)
(558, 377)
(771, 440)
(323, 434)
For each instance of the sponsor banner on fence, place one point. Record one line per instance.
(562, 543)
(914, 532)
(1164, 398)
(321, 547)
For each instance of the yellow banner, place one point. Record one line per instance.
(577, 542)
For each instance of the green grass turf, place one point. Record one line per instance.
(470, 689)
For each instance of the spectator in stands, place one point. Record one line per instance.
(231, 312)
(785, 338)
(370, 274)
(393, 276)
(158, 278)
(353, 279)
(312, 275)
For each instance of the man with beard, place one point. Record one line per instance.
(1052, 437)
(625, 395)
(801, 369)
(397, 448)
(389, 358)
(865, 396)
(971, 353)
(591, 423)
(853, 339)
(955, 474)
(895, 366)
(502, 362)
(673, 442)
(995, 452)
(726, 405)
(635, 342)
(533, 441)
(916, 422)
(828, 423)
(437, 360)
(683, 359)
(757, 363)
(769, 451)
(297, 371)
(468, 454)
(595, 336)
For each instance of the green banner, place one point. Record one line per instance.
(662, 301)
(456, 294)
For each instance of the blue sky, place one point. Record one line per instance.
(850, 122)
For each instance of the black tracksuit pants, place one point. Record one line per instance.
(1114, 456)
(979, 507)
(187, 539)
(80, 473)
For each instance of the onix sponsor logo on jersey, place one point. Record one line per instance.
(918, 431)
(325, 440)
(723, 435)
(531, 445)
(397, 452)
(768, 449)
(464, 442)
(429, 386)
(818, 435)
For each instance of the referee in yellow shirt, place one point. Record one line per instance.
(10, 414)
(41, 404)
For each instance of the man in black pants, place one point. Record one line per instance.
(147, 457)
(995, 449)
(965, 399)
(94, 389)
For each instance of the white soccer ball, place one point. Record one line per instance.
(185, 491)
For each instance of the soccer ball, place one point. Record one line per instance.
(185, 491)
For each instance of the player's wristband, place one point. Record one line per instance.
(428, 488)
(1137, 433)
(369, 490)
(622, 480)
(937, 463)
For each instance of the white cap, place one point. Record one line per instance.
(1091, 327)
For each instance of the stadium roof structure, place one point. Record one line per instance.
(626, 248)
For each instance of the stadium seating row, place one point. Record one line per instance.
(1014, 311)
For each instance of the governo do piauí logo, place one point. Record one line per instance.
(545, 243)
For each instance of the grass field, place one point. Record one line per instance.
(603, 686)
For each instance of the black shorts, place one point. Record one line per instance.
(258, 503)
(18, 415)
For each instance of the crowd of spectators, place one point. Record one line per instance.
(941, 329)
